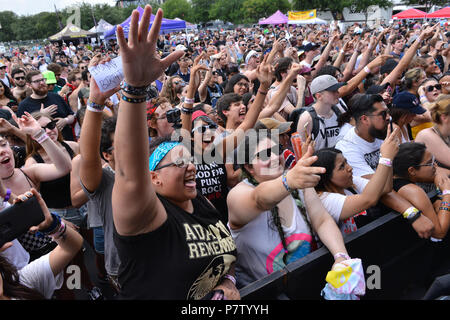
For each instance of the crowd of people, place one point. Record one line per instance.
(204, 190)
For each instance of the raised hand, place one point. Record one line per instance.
(379, 61)
(28, 124)
(50, 110)
(389, 148)
(265, 72)
(141, 64)
(303, 175)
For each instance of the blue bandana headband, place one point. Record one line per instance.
(160, 152)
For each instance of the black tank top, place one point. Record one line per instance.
(56, 193)
(185, 258)
(398, 183)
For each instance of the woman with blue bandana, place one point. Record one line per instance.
(169, 238)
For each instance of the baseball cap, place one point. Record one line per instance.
(180, 47)
(251, 54)
(310, 46)
(408, 101)
(273, 124)
(2, 65)
(49, 77)
(305, 69)
(325, 83)
(375, 89)
(388, 66)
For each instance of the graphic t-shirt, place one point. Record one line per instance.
(261, 250)
(361, 155)
(185, 258)
(334, 202)
(327, 137)
(211, 181)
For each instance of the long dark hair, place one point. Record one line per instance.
(229, 88)
(12, 288)
(8, 93)
(275, 223)
(326, 158)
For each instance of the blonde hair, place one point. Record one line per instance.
(440, 107)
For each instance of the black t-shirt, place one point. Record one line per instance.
(211, 182)
(31, 105)
(185, 258)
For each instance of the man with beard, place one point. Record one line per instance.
(20, 91)
(361, 148)
(47, 102)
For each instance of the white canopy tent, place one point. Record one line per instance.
(308, 21)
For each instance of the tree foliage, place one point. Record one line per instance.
(177, 9)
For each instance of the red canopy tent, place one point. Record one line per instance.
(443, 13)
(410, 14)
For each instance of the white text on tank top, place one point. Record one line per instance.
(328, 132)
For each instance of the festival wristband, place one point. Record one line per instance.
(444, 208)
(366, 69)
(445, 192)
(189, 100)
(53, 226)
(40, 137)
(59, 232)
(187, 110)
(445, 204)
(231, 278)
(284, 180)
(385, 161)
(94, 107)
(134, 91)
(341, 255)
(410, 212)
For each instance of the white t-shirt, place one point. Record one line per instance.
(38, 275)
(361, 155)
(327, 137)
(334, 202)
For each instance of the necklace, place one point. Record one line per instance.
(9, 176)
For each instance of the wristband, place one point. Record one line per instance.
(366, 69)
(445, 192)
(262, 92)
(187, 110)
(40, 137)
(411, 212)
(133, 100)
(285, 184)
(341, 255)
(134, 91)
(444, 208)
(443, 203)
(189, 100)
(231, 278)
(8, 195)
(59, 232)
(435, 239)
(414, 218)
(94, 107)
(385, 161)
(342, 51)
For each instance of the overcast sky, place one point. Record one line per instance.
(29, 7)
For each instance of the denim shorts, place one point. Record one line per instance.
(99, 240)
(74, 215)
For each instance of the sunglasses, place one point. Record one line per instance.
(203, 128)
(267, 153)
(19, 78)
(3, 67)
(179, 163)
(383, 114)
(242, 84)
(430, 164)
(50, 126)
(431, 88)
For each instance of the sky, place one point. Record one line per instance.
(30, 7)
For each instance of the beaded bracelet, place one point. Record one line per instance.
(444, 208)
(94, 107)
(445, 204)
(134, 91)
(8, 195)
(134, 100)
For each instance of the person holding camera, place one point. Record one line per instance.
(40, 278)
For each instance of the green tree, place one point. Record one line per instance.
(201, 9)
(334, 6)
(227, 10)
(8, 21)
(363, 6)
(177, 9)
(427, 3)
(256, 9)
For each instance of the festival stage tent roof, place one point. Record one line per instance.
(410, 14)
(308, 21)
(71, 31)
(102, 27)
(443, 13)
(277, 18)
(166, 24)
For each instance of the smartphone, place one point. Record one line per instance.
(18, 218)
(390, 125)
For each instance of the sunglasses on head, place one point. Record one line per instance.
(50, 126)
(431, 88)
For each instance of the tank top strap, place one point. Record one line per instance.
(30, 182)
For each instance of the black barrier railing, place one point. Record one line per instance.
(398, 265)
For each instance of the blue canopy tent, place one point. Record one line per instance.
(166, 24)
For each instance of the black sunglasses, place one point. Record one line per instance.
(431, 88)
(383, 113)
(50, 126)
